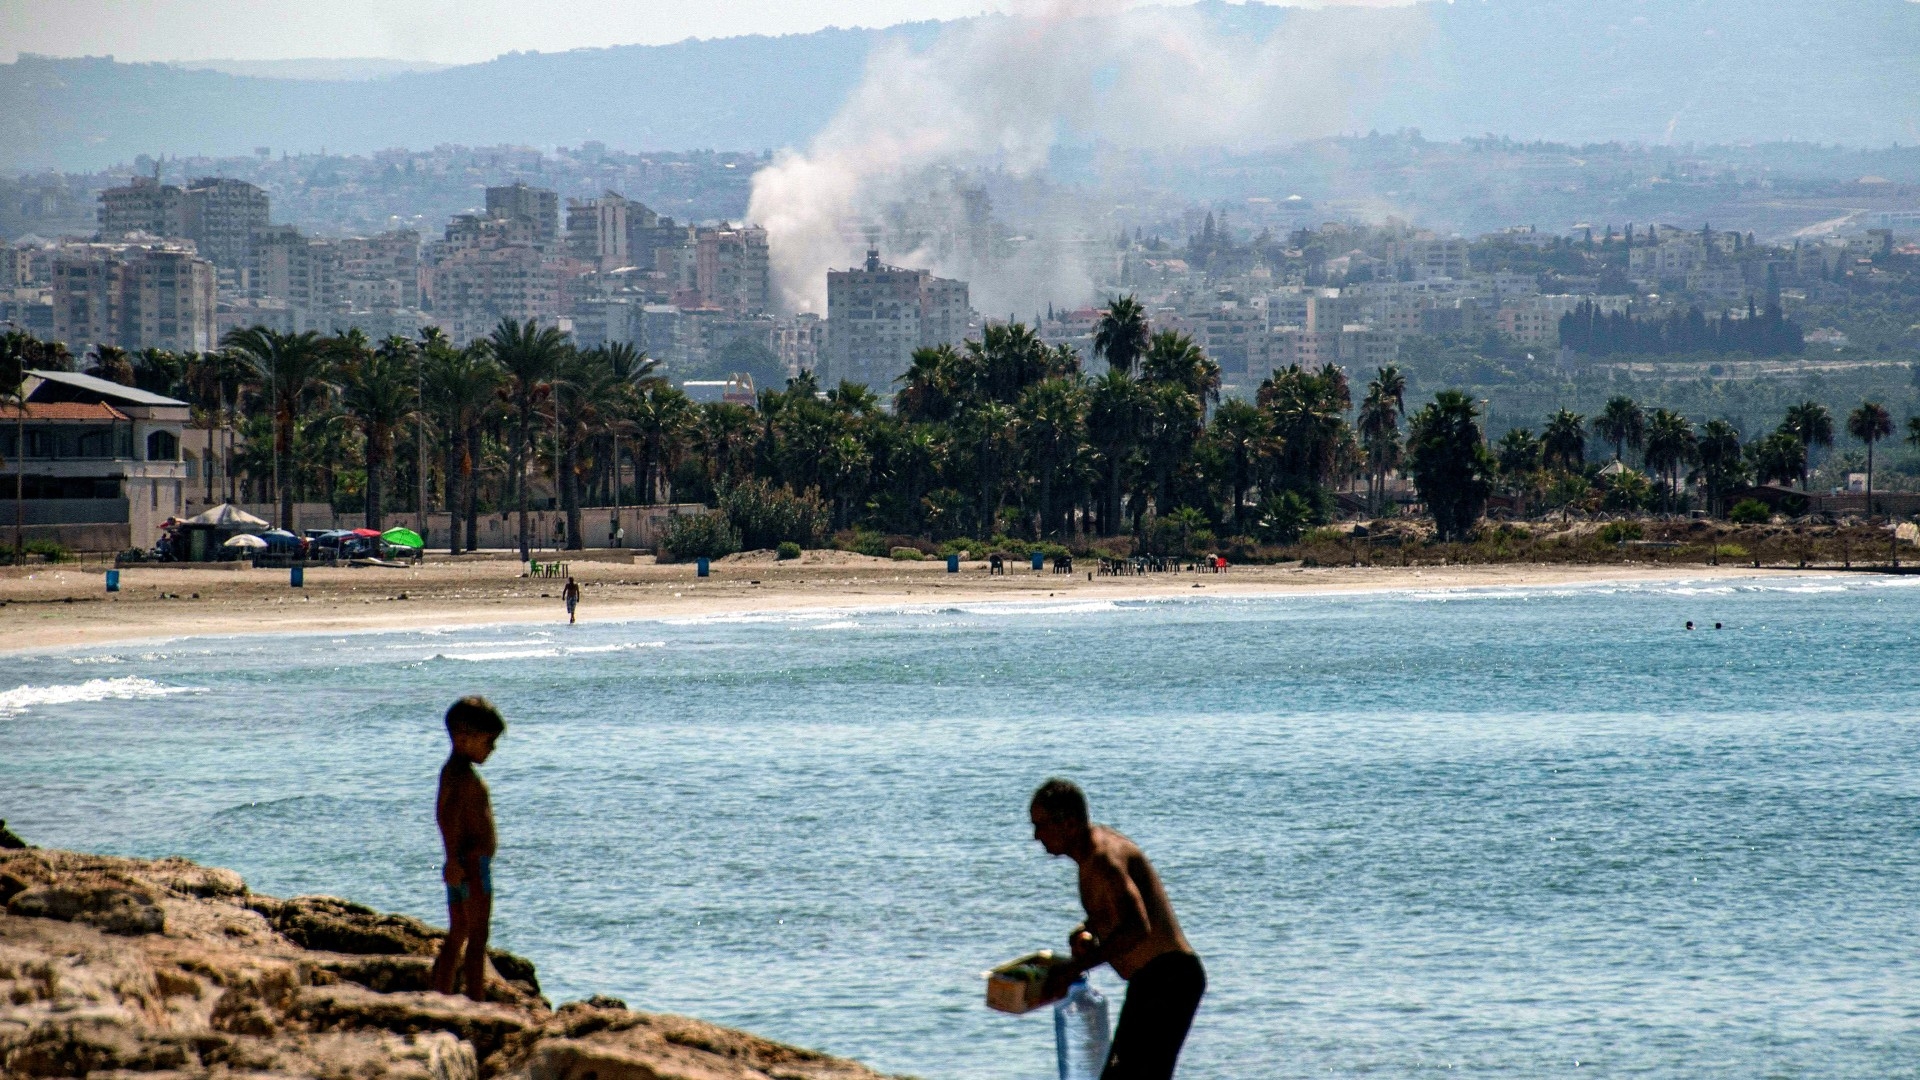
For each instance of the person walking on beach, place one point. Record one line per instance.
(571, 594)
(465, 814)
(1130, 925)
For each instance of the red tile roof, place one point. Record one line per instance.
(64, 410)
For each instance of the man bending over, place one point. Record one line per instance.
(1130, 925)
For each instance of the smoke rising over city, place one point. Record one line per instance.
(1002, 92)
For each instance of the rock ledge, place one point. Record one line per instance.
(122, 968)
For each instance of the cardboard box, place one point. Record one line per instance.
(1017, 985)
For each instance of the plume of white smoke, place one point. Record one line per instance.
(999, 92)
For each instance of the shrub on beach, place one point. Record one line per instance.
(695, 536)
(907, 554)
(48, 550)
(788, 550)
(1619, 532)
(1749, 512)
(765, 516)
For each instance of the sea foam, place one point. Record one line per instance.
(131, 688)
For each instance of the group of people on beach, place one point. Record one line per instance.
(1130, 925)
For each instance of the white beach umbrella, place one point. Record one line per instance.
(245, 540)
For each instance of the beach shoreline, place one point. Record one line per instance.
(53, 607)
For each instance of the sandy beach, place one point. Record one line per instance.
(52, 606)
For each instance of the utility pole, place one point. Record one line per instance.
(420, 444)
(19, 457)
(274, 374)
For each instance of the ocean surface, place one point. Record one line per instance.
(1497, 833)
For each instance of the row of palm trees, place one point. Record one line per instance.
(483, 410)
(1672, 450)
(1000, 435)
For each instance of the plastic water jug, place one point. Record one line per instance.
(1080, 1032)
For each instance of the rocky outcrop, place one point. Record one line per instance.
(119, 967)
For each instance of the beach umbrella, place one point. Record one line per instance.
(366, 532)
(226, 515)
(244, 540)
(400, 536)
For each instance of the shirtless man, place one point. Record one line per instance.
(1131, 926)
(571, 594)
(465, 813)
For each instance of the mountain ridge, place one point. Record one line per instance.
(1844, 71)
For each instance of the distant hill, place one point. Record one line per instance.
(329, 69)
(1844, 71)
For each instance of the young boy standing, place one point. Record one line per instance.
(465, 813)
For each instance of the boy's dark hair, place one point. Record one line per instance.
(1061, 800)
(474, 713)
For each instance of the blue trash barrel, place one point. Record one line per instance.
(1039, 561)
(113, 581)
(298, 579)
(953, 564)
(701, 566)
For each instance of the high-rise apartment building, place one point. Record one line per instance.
(485, 270)
(222, 217)
(538, 206)
(304, 271)
(877, 315)
(731, 270)
(143, 205)
(597, 230)
(135, 296)
(386, 265)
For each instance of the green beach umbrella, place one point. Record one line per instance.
(399, 536)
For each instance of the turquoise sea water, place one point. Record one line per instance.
(1509, 833)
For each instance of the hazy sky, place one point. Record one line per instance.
(444, 31)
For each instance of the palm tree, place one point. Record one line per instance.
(1116, 417)
(160, 371)
(986, 427)
(1563, 444)
(529, 354)
(1379, 424)
(16, 352)
(632, 369)
(1050, 422)
(1240, 430)
(1308, 409)
(1173, 357)
(1450, 464)
(1391, 384)
(1622, 423)
(460, 387)
(1812, 424)
(725, 432)
(927, 387)
(1120, 337)
(1779, 456)
(110, 362)
(1173, 415)
(1518, 453)
(379, 391)
(1670, 446)
(661, 418)
(291, 370)
(1721, 464)
(1870, 423)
